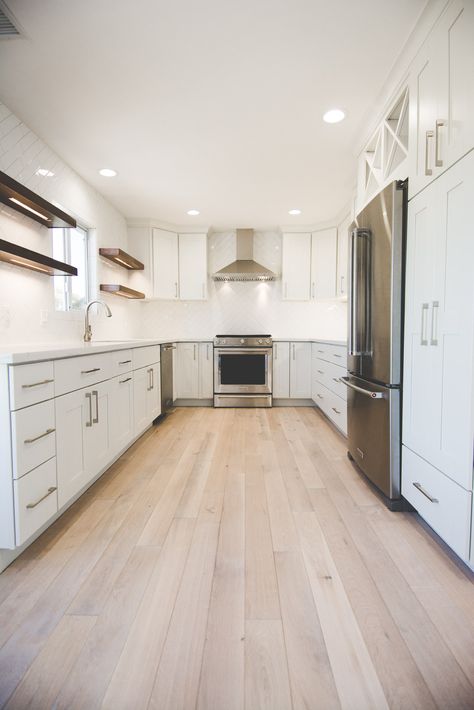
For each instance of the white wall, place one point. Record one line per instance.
(236, 307)
(24, 294)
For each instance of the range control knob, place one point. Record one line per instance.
(260, 341)
(267, 341)
(242, 340)
(222, 342)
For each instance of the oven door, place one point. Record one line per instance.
(245, 370)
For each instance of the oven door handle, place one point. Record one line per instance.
(242, 351)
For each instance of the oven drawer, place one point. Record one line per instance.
(244, 371)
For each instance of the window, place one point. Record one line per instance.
(70, 246)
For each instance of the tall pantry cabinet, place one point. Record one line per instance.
(438, 412)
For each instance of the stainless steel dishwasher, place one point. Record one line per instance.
(166, 363)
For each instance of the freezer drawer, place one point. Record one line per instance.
(373, 431)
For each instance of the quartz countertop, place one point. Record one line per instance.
(37, 352)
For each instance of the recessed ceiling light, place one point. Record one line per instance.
(334, 115)
(44, 172)
(108, 172)
(294, 212)
(193, 213)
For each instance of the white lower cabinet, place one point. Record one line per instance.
(121, 412)
(281, 370)
(194, 370)
(327, 390)
(83, 445)
(36, 500)
(146, 396)
(291, 370)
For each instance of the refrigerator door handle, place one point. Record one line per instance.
(359, 293)
(368, 393)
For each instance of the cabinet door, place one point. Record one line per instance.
(455, 45)
(193, 267)
(206, 371)
(165, 264)
(342, 257)
(300, 370)
(121, 412)
(281, 370)
(97, 440)
(323, 263)
(153, 393)
(141, 384)
(296, 266)
(187, 370)
(73, 413)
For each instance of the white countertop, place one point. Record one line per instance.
(36, 352)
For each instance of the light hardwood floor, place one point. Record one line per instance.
(235, 559)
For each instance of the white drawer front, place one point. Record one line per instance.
(77, 372)
(332, 353)
(330, 375)
(449, 514)
(121, 362)
(35, 500)
(30, 384)
(33, 437)
(145, 356)
(333, 406)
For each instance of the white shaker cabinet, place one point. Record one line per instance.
(323, 263)
(165, 264)
(192, 267)
(206, 371)
(146, 396)
(300, 370)
(83, 446)
(121, 412)
(296, 266)
(281, 370)
(187, 370)
(442, 96)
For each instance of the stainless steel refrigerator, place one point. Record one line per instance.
(374, 360)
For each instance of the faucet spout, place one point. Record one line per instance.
(87, 326)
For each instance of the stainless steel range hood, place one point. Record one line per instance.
(244, 268)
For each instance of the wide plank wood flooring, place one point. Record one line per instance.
(235, 559)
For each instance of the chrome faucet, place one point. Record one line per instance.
(87, 327)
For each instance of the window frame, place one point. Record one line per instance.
(67, 236)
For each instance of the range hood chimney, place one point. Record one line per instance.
(244, 268)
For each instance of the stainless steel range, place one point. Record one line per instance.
(243, 371)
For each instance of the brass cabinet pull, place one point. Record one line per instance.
(37, 384)
(35, 438)
(50, 490)
(420, 488)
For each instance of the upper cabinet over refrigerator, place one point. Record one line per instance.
(375, 272)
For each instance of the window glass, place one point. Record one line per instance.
(70, 246)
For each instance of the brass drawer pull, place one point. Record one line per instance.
(50, 490)
(30, 441)
(37, 384)
(87, 372)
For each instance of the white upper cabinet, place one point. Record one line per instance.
(193, 267)
(165, 265)
(296, 266)
(342, 258)
(438, 412)
(442, 96)
(323, 263)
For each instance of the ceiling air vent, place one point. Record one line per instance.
(8, 29)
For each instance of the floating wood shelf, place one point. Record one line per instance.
(23, 200)
(118, 256)
(118, 290)
(19, 256)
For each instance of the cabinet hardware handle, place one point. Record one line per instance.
(438, 159)
(424, 312)
(320, 351)
(87, 372)
(434, 323)
(37, 384)
(50, 490)
(170, 347)
(321, 372)
(342, 285)
(96, 418)
(335, 410)
(46, 433)
(124, 362)
(336, 379)
(320, 396)
(419, 487)
(428, 170)
(336, 355)
(89, 397)
(176, 289)
(152, 373)
(149, 379)
(127, 379)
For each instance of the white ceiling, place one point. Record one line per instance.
(212, 104)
